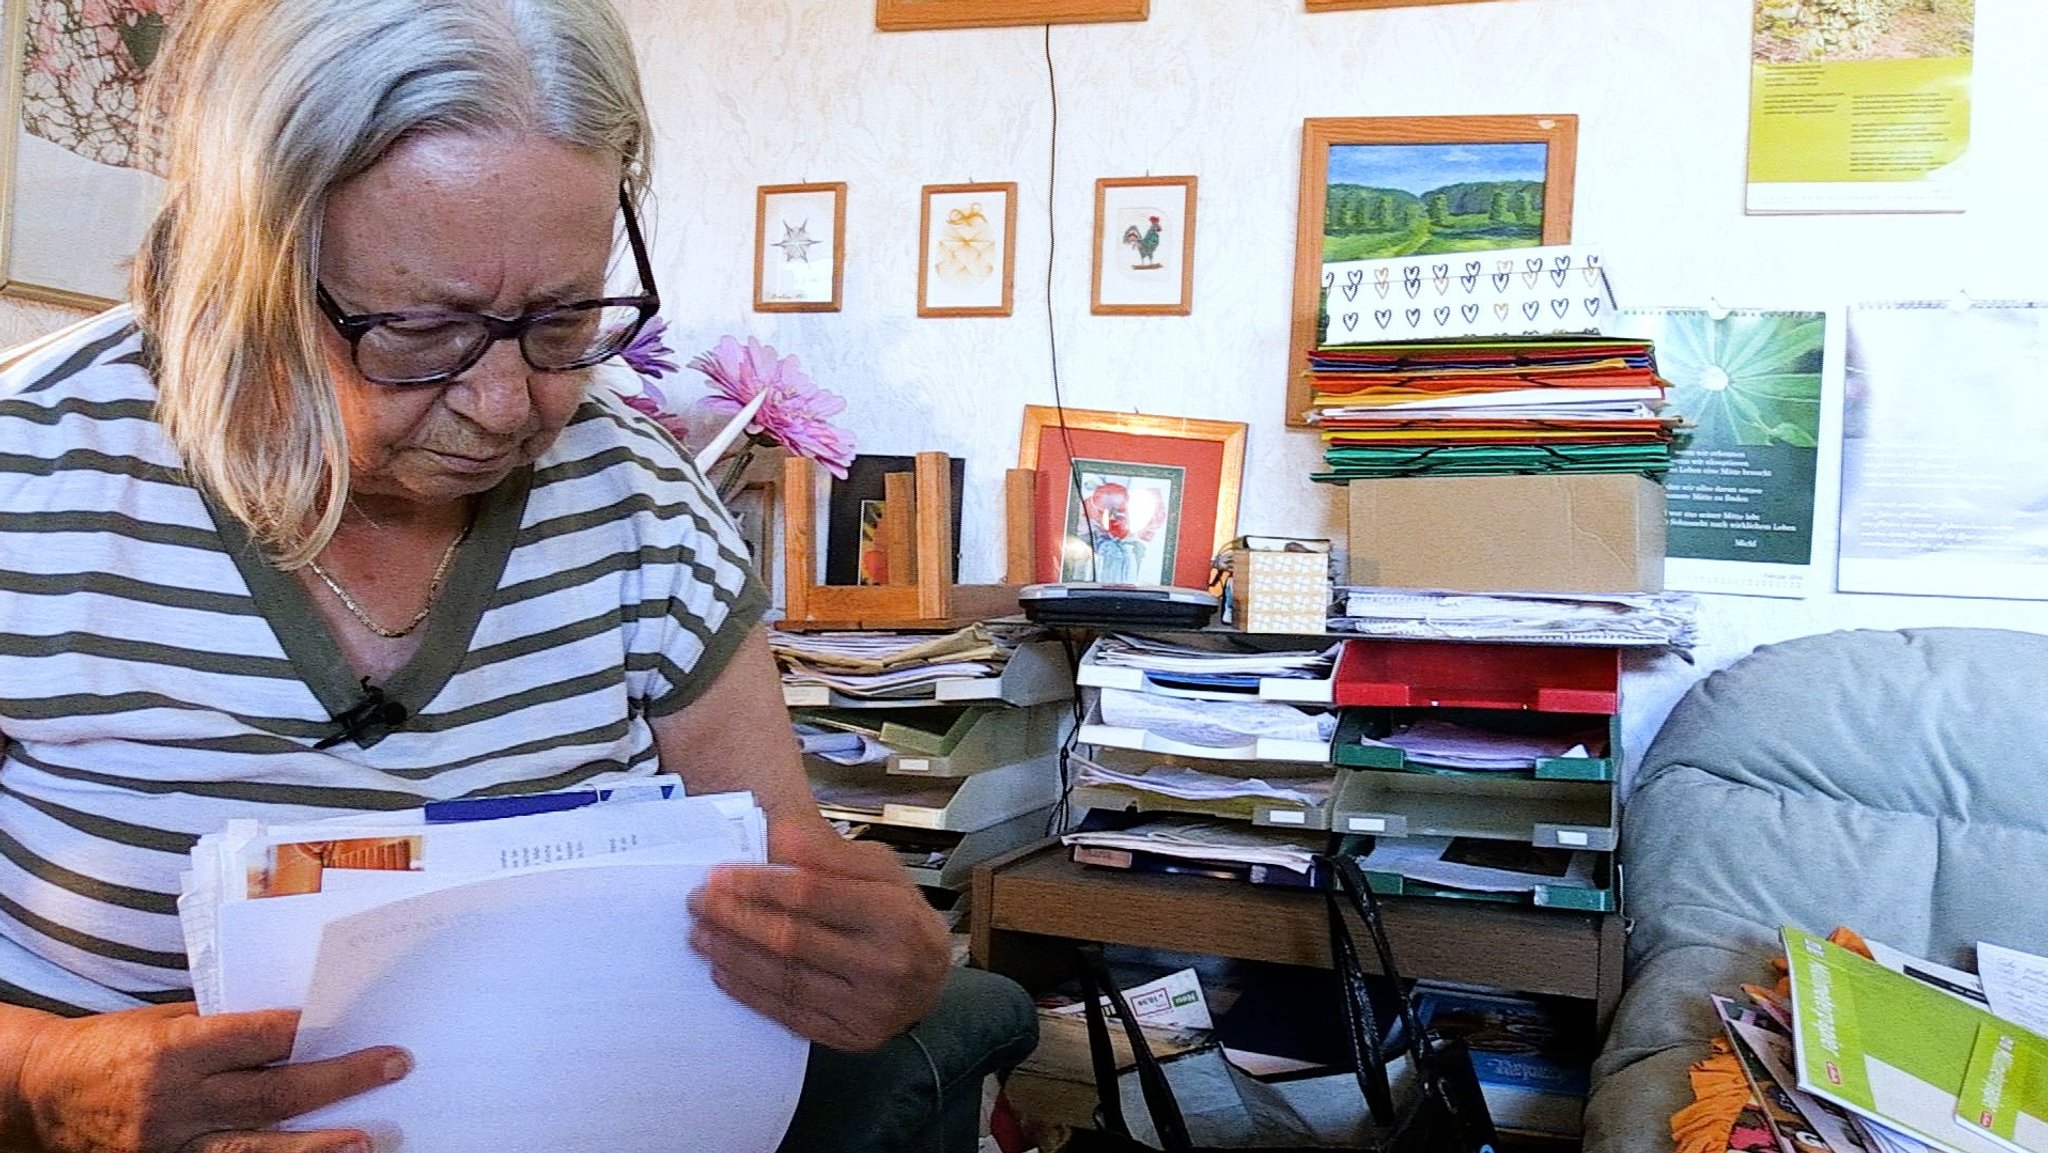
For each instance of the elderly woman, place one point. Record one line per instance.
(331, 520)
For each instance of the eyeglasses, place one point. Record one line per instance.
(420, 348)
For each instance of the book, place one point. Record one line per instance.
(2005, 1091)
(1531, 1057)
(1881, 1044)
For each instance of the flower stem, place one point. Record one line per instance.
(728, 485)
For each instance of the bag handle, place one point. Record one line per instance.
(1096, 984)
(1361, 1026)
(1359, 894)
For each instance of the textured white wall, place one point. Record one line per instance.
(750, 92)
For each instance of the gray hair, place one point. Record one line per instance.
(268, 104)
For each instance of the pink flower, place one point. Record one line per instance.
(653, 403)
(796, 411)
(649, 354)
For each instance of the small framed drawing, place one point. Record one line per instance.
(968, 252)
(1377, 188)
(799, 247)
(1144, 246)
(1125, 498)
(916, 15)
(77, 167)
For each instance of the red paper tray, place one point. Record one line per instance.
(1452, 674)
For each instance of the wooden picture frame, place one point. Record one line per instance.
(1176, 484)
(967, 250)
(791, 223)
(1417, 151)
(77, 171)
(1144, 246)
(920, 15)
(1341, 5)
(753, 510)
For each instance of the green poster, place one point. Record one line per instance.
(1860, 105)
(1740, 495)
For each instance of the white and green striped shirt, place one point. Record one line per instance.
(157, 678)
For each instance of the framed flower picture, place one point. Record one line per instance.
(968, 251)
(799, 247)
(79, 184)
(1131, 499)
(1144, 246)
(1383, 187)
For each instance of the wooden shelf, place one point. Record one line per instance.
(1030, 905)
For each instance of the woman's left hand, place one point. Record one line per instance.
(837, 943)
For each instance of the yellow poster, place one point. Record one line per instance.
(1860, 105)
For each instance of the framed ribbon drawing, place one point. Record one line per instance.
(967, 255)
(799, 247)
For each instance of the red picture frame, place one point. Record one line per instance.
(1158, 495)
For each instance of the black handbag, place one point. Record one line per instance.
(1443, 1112)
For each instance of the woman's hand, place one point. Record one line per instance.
(838, 944)
(166, 1080)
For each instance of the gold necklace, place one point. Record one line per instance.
(433, 593)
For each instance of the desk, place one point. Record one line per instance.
(1029, 905)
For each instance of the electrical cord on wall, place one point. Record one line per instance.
(1052, 339)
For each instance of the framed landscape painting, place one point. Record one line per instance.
(1126, 498)
(1421, 185)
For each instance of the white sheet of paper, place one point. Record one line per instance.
(561, 1010)
(1508, 292)
(2016, 984)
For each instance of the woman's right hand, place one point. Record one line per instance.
(165, 1080)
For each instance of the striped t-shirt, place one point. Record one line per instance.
(157, 678)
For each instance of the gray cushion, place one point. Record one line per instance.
(1893, 782)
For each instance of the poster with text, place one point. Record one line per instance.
(1944, 477)
(1860, 105)
(1740, 496)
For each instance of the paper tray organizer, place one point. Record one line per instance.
(951, 741)
(1355, 724)
(1268, 811)
(1604, 896)
(1035, 674)
(1095, 732)
(960, 804)
(1294, 690)
(1549, 814)
(1453, 674)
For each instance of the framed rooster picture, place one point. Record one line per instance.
(1144, 246)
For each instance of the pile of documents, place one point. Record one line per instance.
(1893, 1054)
(1208, 665)
(1478, 865)
(1190, 784)
(532, 954)
(1199, 845)
(1447, 745)
(1535, 404)
(1620, 620)
(895, 665)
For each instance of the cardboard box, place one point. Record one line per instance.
(1582, 533)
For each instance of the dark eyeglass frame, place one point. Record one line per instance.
(353, 327)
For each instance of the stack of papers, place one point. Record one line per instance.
(1620, 620)
(1480, 866)
(1198, 839)
(1540, 404)
(466, 933)
(1214, 724)
(1195, 785)
(838, 745)
(891, 665)
(1214, 666)
(1443, 744)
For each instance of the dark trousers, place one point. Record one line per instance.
(921, 1092)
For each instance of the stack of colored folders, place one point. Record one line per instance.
(1530, 404)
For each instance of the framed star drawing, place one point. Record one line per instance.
(799, 247)
(970, 244)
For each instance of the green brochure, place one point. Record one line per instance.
(2005, 1093)
(1882, 1044)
